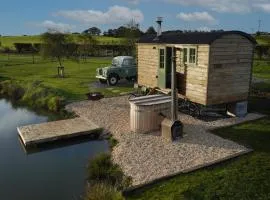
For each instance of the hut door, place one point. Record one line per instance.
(162, 69)
(168, 67)
(181, 73)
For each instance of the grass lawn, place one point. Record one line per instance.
(73, 87)
(261, 69)
(8, 41)
(263, 40)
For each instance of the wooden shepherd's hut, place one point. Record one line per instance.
(212, 67)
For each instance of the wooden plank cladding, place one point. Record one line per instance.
(148, 65)
(196, 75)
(229, 69)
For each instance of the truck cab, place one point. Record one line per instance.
(122, 67)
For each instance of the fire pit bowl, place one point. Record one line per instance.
(94, 96)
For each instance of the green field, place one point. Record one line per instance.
(263, 40)
(261, 69)
(74, 86)
(8, 41)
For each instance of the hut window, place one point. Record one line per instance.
(189, 55)
(192, 55)
(161, 58)
(185, 55)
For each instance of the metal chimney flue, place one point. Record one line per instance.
(173, 87)
(159, 29)
(172, 128)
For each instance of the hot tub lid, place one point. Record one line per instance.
(150, 100)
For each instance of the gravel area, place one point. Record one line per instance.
(146, 157)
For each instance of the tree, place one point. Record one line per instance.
(132, 33)
(34, 50)
(87, 45)
(23, 47)
(7, 50)
(261, 50)
(54, 46)
(121, 31)
(151, 31)
(92, 31)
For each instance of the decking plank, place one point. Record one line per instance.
(51, 131)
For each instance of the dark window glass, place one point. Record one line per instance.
(162, 58)
(192, 55)
(128, 62)
(185, 55)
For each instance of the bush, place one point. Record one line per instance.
(102, 169)
(102, 191)
(33, 94)
(112, 142)
(53, 104)
(23, 47)
(37, 47)
(6, 49)
(14, 91)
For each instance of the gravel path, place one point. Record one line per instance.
(146, 157)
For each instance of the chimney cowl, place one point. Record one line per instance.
(159, 29)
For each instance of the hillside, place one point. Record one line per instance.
(263, 39)
(8, 41)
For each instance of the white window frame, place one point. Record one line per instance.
(188, 55)
(164, 57)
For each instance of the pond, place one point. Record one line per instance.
(57, 172)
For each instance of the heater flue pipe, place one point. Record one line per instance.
(174, 100)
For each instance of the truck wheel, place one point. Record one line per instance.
(113, 79)
(102, 81)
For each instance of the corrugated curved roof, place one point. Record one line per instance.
(191, 37)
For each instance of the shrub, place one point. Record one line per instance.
(102, 191)
(102, 169)
(37, 46)
(6, 49)
(53, 104)
(23, 47)
(112, 142)
(13, 90)
(33, 94)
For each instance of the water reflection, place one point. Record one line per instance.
(51, 171)
(56, 144)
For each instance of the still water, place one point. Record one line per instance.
(55, 173)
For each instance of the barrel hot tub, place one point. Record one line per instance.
(147, 112)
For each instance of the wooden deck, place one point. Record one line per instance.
(52, 131)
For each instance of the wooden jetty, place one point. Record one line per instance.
(52, 131)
